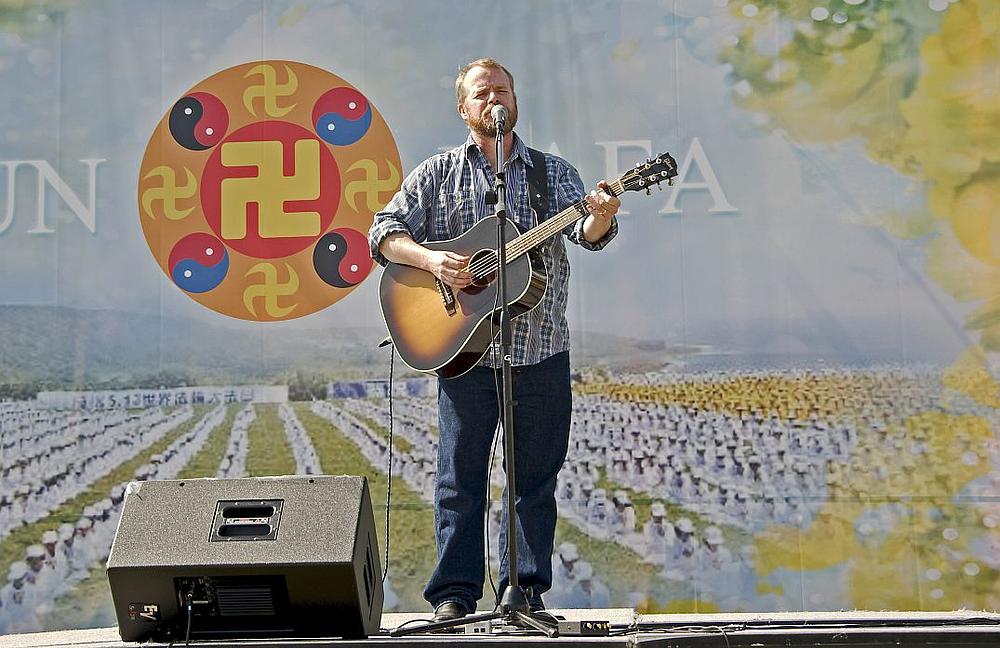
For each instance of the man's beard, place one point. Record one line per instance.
(486, 127)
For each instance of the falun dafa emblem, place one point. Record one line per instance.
(258, 186)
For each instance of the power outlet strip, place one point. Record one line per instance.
(584, 628)
(479, 628)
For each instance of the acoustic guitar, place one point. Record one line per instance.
(445, 332)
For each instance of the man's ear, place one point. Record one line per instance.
(462, 113)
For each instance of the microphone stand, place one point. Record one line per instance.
(514, 607)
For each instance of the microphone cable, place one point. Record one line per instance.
(497, 433)
(388, 482)
(190, 613)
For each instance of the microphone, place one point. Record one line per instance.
(499, 114)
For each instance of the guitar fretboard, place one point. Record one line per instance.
(554, 225)
(537, 235)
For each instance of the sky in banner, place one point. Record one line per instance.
(782, 256)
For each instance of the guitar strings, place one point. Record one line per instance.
(488, 264)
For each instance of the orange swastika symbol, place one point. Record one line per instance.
(371, 185)
(242, 192)
(270, 189)
(270, 90)
(169, 193)
(270, 289)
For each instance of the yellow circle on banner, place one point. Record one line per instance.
(974, 219)
(258, 186)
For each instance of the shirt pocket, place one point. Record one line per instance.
(453, 213)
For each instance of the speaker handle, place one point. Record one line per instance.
(246, 520)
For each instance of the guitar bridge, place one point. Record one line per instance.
(447, 296)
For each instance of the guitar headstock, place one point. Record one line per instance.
(649, 173)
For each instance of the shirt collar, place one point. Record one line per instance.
(520, 150)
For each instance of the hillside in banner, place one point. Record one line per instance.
(47, 347)
(57, 347)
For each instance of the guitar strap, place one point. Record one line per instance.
(538, 184)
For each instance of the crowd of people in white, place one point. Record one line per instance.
(50, 456)
(415, 420)
(303, 451)
(683, 486)
(63, 557)
(234, 462)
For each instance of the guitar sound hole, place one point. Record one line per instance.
(484, 266)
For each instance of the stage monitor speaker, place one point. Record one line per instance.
(246, 558)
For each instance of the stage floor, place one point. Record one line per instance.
(842, 629)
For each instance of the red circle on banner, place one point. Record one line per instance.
(270, 189)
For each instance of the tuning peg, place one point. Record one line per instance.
(648, 192)
(659, 186)
(670, 182)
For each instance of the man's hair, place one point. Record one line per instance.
(486, 62)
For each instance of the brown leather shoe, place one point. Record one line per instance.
(449, 610)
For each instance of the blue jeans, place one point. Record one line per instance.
(467, 418)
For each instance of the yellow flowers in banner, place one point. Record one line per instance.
(920, 88)
(954, 131)
(830, 81)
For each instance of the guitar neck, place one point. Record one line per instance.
(549, 228)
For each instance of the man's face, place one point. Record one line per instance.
(485, 88)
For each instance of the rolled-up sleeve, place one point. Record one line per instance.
(569, 190)
(407, 211)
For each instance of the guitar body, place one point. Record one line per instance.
(448, 340)
(446, 332)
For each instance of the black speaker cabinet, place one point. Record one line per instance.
(246, 558)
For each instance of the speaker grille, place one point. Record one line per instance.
(246, 600)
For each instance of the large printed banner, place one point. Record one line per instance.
(785, 367)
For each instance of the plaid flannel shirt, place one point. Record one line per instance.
(446, 195)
